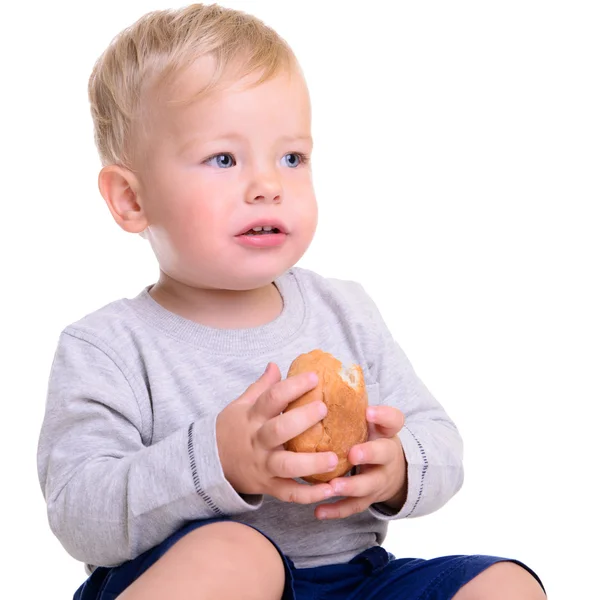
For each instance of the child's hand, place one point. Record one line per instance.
(382, 477)
(251, 432)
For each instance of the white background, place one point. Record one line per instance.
(457, 168)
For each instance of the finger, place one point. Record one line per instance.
(300, 464)
(343, 508)
(284, 427)
(359, 486)
(268, 379)
(288, 490)
(381, 451)
(388, 420)
(274, 400)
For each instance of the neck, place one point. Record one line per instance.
(222, 309)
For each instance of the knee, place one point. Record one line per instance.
(236, 539)
(502, 580)
(240, 549)
(220, 560)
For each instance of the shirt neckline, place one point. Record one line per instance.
(230, 341)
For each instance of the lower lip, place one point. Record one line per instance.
(264, 240)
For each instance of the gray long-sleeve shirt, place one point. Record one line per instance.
(128, 454)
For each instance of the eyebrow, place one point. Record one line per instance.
(296, 138)
(236, 137)
(283, 138)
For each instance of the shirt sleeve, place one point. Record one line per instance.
(110, 493)
(432, 444)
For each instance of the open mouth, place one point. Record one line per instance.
(273, 235)
(267, 230)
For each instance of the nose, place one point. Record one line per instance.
(266, 188)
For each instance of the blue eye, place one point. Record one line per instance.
(295, 159)
(222, 161)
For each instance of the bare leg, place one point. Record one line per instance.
(501, 581)
(220, 560)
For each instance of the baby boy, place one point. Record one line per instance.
(161, 455)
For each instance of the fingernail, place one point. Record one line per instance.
(322, 409)
(313, 378)
(371, 413)
(323, 515)
(360, 455)
(333, 461)
(328, 492)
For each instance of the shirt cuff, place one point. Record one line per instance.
(207, 473)
(415, 473)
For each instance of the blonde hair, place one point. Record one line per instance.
(158, 47)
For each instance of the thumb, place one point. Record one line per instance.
(384, 421)
(269, 378)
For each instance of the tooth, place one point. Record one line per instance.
(268, 228)
(257, 229)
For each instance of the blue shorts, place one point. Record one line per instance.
(374, 574)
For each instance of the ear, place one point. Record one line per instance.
(120, 189)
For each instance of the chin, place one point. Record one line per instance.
(250, 276)
(246, 282)
(256, 273)
(231, 273)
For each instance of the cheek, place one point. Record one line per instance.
(307, 211)
(187, 225)
(198, 227)
(186, 204)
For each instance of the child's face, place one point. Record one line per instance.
(220, 166)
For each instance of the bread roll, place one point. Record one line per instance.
(345, 425)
